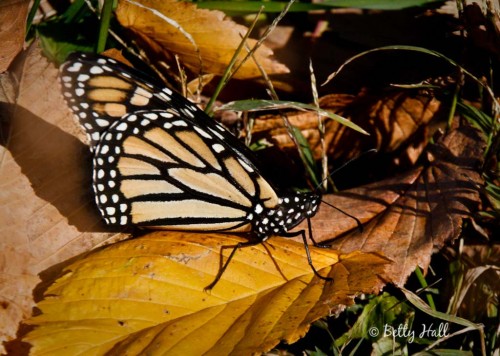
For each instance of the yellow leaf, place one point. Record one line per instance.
(193, 34)
(146, 295)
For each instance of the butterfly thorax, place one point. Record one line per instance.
(290, 212)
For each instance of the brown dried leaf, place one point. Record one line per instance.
(146, 294)
(12, 30)
(408, 218)
(393, 121)
(46, 210)
(214, 39)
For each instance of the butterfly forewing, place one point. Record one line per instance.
(159, 161)
(100, 91)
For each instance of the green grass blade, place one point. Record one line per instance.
(380, 4)
(278, 6)
(31, 16)
(106, 12)
(259, 105)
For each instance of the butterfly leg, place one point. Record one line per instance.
(302, 233)
(311, 236)
(223, 265)
(315, 244)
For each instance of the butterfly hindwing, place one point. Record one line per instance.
(156, 168)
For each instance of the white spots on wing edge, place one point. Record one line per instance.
(102, 122)
(218, 147)
(122, 126)
(83, 77)
(202, 132)
(180, 123)
(166, 115)
(151, 116)
(75, 67)
(96, 70)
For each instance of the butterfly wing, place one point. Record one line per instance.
(99, 91)
(159, 161)
(155, 168)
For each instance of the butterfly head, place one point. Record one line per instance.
(291, 211)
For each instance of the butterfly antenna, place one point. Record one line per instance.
(360, 226)
(373, 150)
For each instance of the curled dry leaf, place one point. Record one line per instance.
(145, 295)
(46, 211)
(396, 121)
(175, 27)
(409, 217)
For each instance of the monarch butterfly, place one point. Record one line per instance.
(160, 162)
